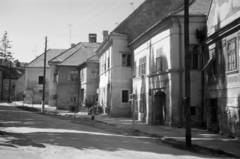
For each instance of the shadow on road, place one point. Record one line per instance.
(32, 129)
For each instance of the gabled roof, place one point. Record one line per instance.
(196, 8)
(81, 55)
(64, 55)
(39, 61)
(146, 15)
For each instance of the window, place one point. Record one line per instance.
(142, 66)
(136, 105)
(103, 63)
(82, 76)
(72, 76)
(194, 51)
(94, 73)
(124, 96)
(134, 70)
(232, 55)
(126, 60)
(213, 67)
(159, 60)
(130, 105)
(101, 69)
(55, 77)
(108, 59)
(73, 99)
(40, 79)
(6, 87)
(193, 110)
(108, 62)
(213, 109)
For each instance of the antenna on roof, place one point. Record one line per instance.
(35, 50)
(132, 5)
(70, 34)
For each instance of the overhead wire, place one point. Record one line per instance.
(78, 17)
(113, 12)
(88, 22)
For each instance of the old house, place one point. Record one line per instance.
(64, 74)
(68, 90)
(222, 77)
(114, 74)
(89, 80)
(158, 77)
(53, 82)
(33, 85)
(116, 58)
(7, 87)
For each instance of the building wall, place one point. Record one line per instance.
(32, 89)
(20, 88)
(67, 91)
(116, 78)
(53, 76)
(6, 89)
(89, 84)
(92, 82)
(222, 89)
(168, 40)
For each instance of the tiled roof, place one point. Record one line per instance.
(72, 50)
(81, 55)
(198, 7)
(146, 15)
(39, 61)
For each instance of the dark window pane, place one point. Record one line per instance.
(40, 79)
(125, 96)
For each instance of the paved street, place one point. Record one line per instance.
(41, 136)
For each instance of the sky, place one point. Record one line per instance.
(63, 22)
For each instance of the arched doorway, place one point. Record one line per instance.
(159, 108)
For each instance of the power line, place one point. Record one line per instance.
(94, 16)
(104, 18)
(90, 22)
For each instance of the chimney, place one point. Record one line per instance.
(105, 34)
(92, 38)
(72, 45)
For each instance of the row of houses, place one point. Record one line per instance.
(144, 56)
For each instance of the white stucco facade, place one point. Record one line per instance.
(160, 87)
(115, 75)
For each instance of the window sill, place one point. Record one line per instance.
(232, 72)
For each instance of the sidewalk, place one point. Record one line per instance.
(199, 137)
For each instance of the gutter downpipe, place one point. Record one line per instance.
(180, 72)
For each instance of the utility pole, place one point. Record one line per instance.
(44, 77)
(187, 74)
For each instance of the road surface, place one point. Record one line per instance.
(28, 135)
